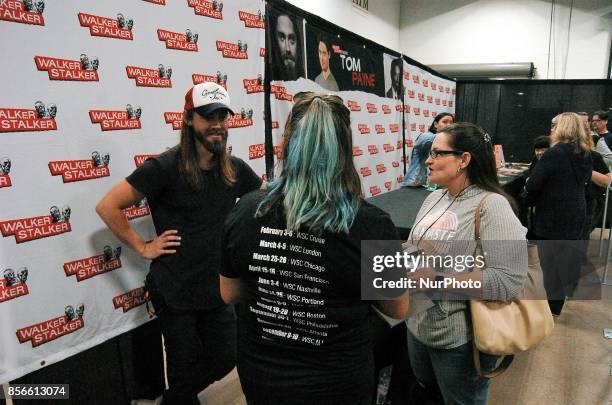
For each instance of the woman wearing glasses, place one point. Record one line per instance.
(439, 334)
(416, 174)
(291, 256)
(556, 188)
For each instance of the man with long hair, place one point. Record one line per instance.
(190, 189)
(287, 54)
(292, 256)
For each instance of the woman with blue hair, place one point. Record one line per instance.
(416, 174)
(291, 257)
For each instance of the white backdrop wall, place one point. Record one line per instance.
(497, 31)
(76, 261)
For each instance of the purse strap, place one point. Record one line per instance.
(506, 360)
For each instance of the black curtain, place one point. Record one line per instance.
(515, 112)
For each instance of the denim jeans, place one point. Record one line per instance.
(452, 370)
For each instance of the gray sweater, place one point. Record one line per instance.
(448, 324)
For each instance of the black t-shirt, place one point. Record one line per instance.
(303, 331)
(188, 279)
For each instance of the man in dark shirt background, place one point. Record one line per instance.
(190, 189)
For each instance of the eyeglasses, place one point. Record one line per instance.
(434, 154)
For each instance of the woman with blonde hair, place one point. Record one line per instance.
(557, 189)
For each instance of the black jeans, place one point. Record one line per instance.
(200, 348)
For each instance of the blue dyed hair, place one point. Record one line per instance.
(319, 188)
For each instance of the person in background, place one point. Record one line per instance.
(190, 189)
(557, 190)
(440, 337)
(540, 145)
(326, 78)
(599, 124)
(586, 121)
(303, 333)
(596, 189)
(416, 174)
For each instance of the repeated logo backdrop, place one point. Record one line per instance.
(91, 90)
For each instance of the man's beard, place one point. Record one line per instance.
(216, 147)
(289, 62)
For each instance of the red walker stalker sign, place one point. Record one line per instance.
(140, 159)
(8, 292)
(136, 211)
(94, 265)
(52, 329)
(207, 8)
(252, 20)
(178, 41)
(78, 170)
(174, 118)
(106, 27)
(28, 229)
(25, 120)
(114, 120)
(16, 11)
(130, 299)
(67, 69)
(146, 77)
(234, 51)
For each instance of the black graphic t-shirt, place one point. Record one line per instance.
(303, 332)
(189, 278)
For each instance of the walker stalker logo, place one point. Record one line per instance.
(140, 159)
(380, 129)
(254, 85)
(410, 93)
(233, 51)
(413, 127)
(5, 170)
(399, 107)
(262, 52)
(406, 108)
(244, 119)
(83, 70)
(381, 168)
(394, 128)
(434, 86)
(27, 229)
(363, 129)
(447, 90)
(176, 40)
(256, 151)
(388, 148)
(422, 127)
(137, 211)
(13, 285)
(114, 120)
(425, 83)
(406, 75)
(219, 78)
(371, 108)
(386, 109)
(408, 142)
(365, 171)
(274, 124)
(357, 151)
(372, 149)
(430, 99)
(252, 20)
(451, 103)
(78, 170)
(400, 179)
(146, 77)
(130, 299)
(212, 9)
(444, 103)
(280, 93)
(415, 78)
(375, 190)
(89, 267)
(353, 105)
(437, 100)
(46, 331)
(416, 110)
(158, 2)
(388, 185)
(174, 118)
(425, 113)
(119, 28)
(24, 12)
(395, 164)
(421, 97)
(40, 118)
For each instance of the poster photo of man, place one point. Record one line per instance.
(394, 83)
(286, 46)
(326, 78)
